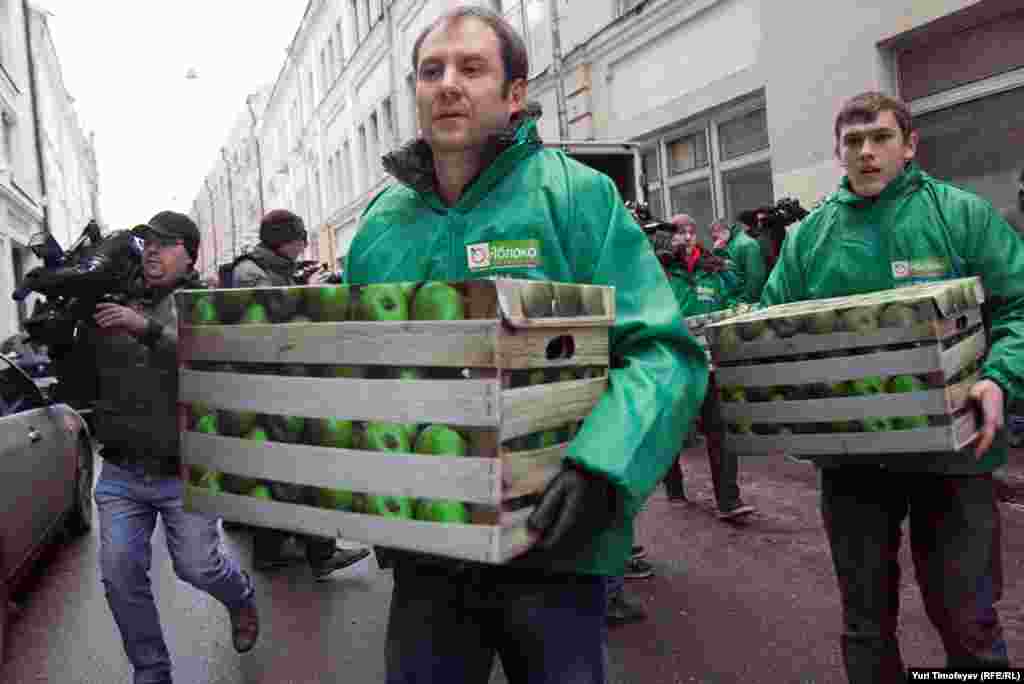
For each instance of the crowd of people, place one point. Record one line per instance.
(480, 174)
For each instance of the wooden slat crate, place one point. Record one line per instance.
(818, 378)
(512, 377)
(696, 324)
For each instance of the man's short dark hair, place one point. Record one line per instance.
(514, 56)
(865, 108)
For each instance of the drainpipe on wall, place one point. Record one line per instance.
(259, 153)
(231, 204)
(213, 226)
(33, 87)
(556, 68)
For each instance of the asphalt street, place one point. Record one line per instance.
(729, 604)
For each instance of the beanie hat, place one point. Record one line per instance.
(171, 224)
(280, 226)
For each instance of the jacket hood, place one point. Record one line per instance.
(909, 180)
(412, 164)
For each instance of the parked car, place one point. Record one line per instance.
(46, 478)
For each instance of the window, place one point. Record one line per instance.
(977, 145)
(339, 45)
(389, 124)
(688, 153)
(356, 24)
(649, 159)
(744, 134)
(627, 5)
(707, 176)
(10, 148)
(747, 187)
(373, 146)
(695, 199)
(364, 159)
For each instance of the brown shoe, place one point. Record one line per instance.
(245, 626)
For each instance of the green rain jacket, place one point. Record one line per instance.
(573, 216)
(702, 292)
(929, 230)
(748, 263)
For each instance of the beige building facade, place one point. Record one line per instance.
(732, 101)
(39, 130)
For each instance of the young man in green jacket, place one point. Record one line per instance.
(889, 225)
(478, 181)
(745, 255)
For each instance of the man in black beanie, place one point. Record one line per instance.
(272, 263)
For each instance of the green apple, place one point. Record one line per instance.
(389, 506)
(877, 425)
(383, 302)
(901, 384)
(768, 335)
(204, 311)
(287, 429)
(211, 480)
(442, 511)
(260, 491)
(537, 376)
(332, 432)
(335, 499)
(742, 426)
(255, 313)
(199, 409)
(328, 302)
(786, 327)
(731, 393)
(727, 339)
(345, 371)
(821, 322)
(568, 299)
(437, 301)
(381, 436)
(861, 319)
(233, 303)
(593, 301)
(441, 440)
(282, 302)
(751, 330)
(866, 386)
(207, 424)
(909, 422)
(410, 373)
(236, 423)
(538, 299)
(409, 291)
(897, 315)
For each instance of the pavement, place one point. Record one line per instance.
(729, 603)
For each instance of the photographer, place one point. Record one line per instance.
(273, 264)
(768, 225)
(744, 255)
(137, 422)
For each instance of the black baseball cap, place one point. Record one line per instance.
(174, 226)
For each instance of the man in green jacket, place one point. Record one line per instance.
(272, 263)
(889, 225)
(478, 181)
(743, 251)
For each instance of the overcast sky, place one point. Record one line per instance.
(157, 133)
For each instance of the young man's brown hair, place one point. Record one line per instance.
(866, 107)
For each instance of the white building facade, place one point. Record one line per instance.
(40, 131)
(732, 101)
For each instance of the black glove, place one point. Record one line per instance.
(576, 506)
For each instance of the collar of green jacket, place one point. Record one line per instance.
(908, 181)
(413, 163)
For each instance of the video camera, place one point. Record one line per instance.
(94, 269)
(305, 269)
(658, 232)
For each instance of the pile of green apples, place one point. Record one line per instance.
(434, 300)
(861, 387)
(861, 319)
(435, 439)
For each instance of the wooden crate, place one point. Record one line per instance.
(697, 324)
(476, 373)
(793, 401)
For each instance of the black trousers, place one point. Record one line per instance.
(955, 543)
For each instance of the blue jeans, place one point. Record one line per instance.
(128, 503)
(447, 624)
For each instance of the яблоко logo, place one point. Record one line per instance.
(503, 254)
